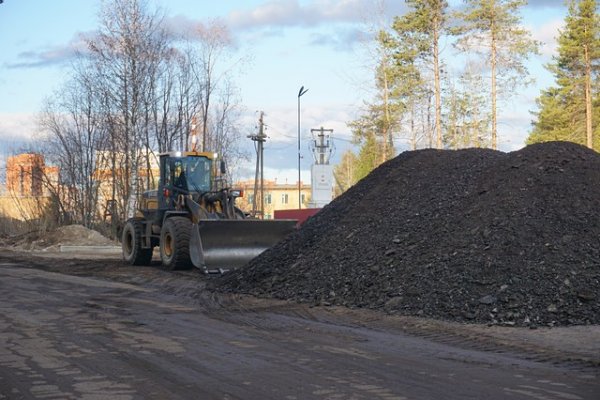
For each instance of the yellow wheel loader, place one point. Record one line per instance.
(195, 224)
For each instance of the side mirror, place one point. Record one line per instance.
(223, 167)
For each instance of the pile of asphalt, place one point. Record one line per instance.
(471, 235)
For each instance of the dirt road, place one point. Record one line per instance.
(95, 329)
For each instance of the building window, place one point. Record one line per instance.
(268, 198)
(303, 198)
(250, 198)
(268, 216)
(284, 198)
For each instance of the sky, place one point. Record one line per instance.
(286, 44)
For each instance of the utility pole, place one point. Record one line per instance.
(300, 93)
(260, 138)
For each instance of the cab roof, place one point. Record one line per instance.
(210, 156)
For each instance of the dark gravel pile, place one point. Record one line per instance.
(470, 235)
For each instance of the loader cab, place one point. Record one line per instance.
(183, 173)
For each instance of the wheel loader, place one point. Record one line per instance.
(193, 223)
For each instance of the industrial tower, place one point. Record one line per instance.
(321, 171)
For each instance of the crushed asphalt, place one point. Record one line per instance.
(471, 235)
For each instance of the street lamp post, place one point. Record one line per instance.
(300, 93)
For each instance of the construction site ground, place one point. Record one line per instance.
(86, 326)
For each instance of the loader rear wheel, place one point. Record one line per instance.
(175, 243)
(131, 243)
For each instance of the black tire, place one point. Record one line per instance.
(175, 243)
(131, 243)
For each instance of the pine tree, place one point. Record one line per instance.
(567, 112)
(345, 172)
(368, 158)
(369, 131)
(553, 122)
(493, 28)
(419, 33)
(465, 117)
(375, 127)
(388, 108)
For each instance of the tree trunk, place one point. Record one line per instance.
(429, 130)
(413, 131)
(386, 117)
(436, 78)
(588, 98)
(493, 66)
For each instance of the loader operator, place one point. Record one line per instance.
(191, 175)
(180, 181)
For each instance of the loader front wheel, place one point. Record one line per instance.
(131, 243)
(175, 243)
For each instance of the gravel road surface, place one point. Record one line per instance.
(96, 329)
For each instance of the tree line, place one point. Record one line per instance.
(422, 97)
(138, 89)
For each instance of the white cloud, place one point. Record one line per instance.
(292, 13)
(282, 123)
(16, 133)
(55, 55)
(277, 14)
(344, 18)
(281, 147)
(342, 39)
(265, 20)
(547, 35)
(17, 128)
(514, 124)
(271, 17)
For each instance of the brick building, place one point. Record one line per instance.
(26, 174)
(26, 194)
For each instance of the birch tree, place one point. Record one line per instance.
(74, 131)
(150, 87)
(493, 28)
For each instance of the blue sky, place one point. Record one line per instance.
(287, 44)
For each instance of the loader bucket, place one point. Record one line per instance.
(222, 245)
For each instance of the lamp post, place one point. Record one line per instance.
(300, 93)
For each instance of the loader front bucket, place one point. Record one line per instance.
(222, 245)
